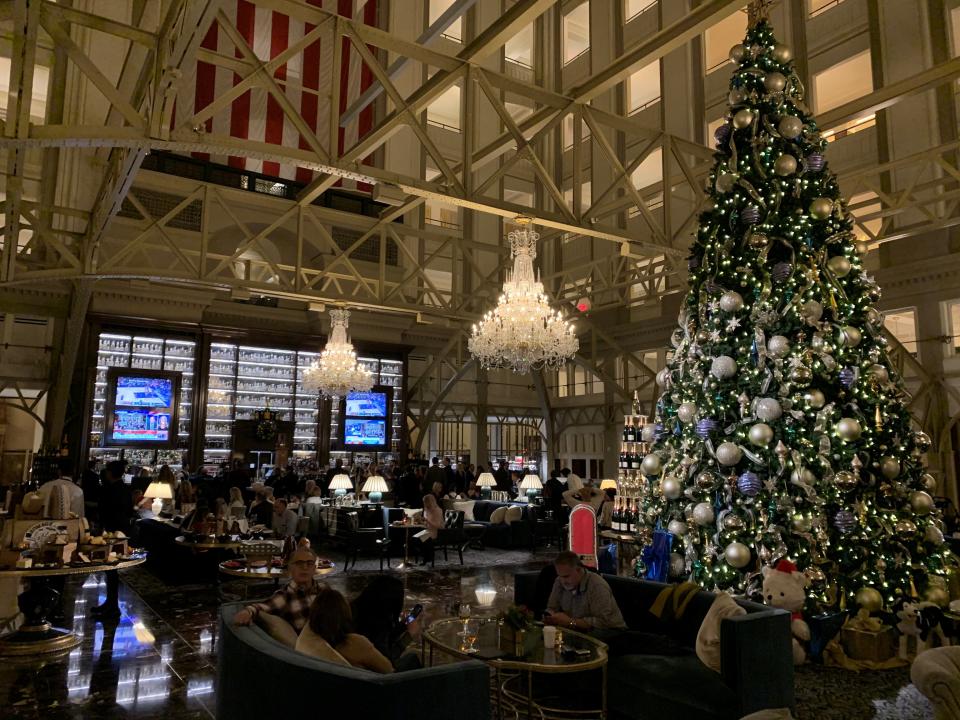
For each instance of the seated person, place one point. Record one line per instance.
(587, 494)
(292, 602)
(330, 619)
(433, 518)
(284, 522)
(236, 507)
(261, 509)
(379, 616)
(582, 600)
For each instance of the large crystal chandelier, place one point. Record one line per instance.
(522, 332)
(336, 372)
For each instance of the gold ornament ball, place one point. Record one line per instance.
(850, 336)
(869, 599)
(732, 522)
(862, 247)
(814, 398)
(737, 53)
(922, 441)
(805, 477)
(905, 529)
(921, 502)
(801, 523)
(889, 467)
(845, 481)
(758, 241)
(726, 182)
(879, 373)
(849, 429)
(706, 480)
(702, 336)
(790, 127)
(782, 53)
(936, 595)
(737, 555)
(933, 535)
(821, 208)
(774, 82)
(929, 482)
(761, 434)
(742, 119)
(839, 266)
(815, 575)
(785, 165)
(801, 375)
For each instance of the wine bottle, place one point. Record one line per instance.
(617, 513)
(635, 460)
(629, 431)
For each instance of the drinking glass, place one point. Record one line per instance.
(464, 616)
(471, 630)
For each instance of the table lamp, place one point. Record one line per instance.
(485, 482)
(375, 486)
(608, 484)
(486, 595)
(159, 491)
(340, 484)
(531, 483)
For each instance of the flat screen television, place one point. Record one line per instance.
(365, 419)
(141, 408)
(366, 404)
(363, 432)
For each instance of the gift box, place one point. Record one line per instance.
(873, 645)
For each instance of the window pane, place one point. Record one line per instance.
(576, 32)
(862, 206)
(519, 48)
(568, 131)
(445, 110)
(955, 29)
(438, 8)
(903, 326)
(721, 37)
(650, 171)
(644, 87)
(815, 7)
(843, 82)
(632, 8)
(954, 319)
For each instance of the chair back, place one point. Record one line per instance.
(453, 519)
(583, 534)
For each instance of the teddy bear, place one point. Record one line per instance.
(784, 587)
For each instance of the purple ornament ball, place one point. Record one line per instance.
(845, 521)
(705, 427)
(815, 162)
(749, 484)
(781, 271)
(848, 376)
(750, 215)
(722, 134)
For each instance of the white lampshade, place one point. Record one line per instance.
(608, 484)
(486, 480)
(159, 490)
(341, 482)
(531, 482)
(486, 595)
(374, 483)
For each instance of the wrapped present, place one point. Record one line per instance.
(866, 638)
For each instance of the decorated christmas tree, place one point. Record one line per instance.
(782, 430)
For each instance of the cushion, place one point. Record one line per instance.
(466, 506)
(708, 639)
(514, 513)
(277, 628)
(309, 643)
(499, 515)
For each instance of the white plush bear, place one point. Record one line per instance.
(785, 587)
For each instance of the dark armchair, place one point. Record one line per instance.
(370, 540)
(452, 534)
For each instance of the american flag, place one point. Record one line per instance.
(305, 80)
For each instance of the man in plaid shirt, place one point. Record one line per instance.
(292, 603)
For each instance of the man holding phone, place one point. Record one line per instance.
(582, 600)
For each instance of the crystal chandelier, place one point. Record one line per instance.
(336, 372)
(522, 332)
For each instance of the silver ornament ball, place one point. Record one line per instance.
(790, 127)
(850, 336)
(651, 464)
(814, 398)
(769, 409)
(670, 488)
(729, 454)
(905, 529)
(663, 378)
(737, 53)
(737, 555)
(723, 367)
(761, 434)
(811, 311)
(687, 412)
(703, 514)
(778, 346)
(648, 433)
(706, 480)
(731, 301)
(933, 535)
(922, 441)
(677, 528)
(879, 373)
(735, 97)
(839, 266)
(929, 482)
(678, 567)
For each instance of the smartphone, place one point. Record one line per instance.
(414, 613)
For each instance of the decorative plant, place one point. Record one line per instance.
(518, 617)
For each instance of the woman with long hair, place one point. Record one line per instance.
(331, 619)
(433, 518)
(377, 615)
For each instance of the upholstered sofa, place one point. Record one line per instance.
(513, 534)
(654, 672)
(258, 678)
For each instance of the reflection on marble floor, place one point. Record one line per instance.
(159, 659)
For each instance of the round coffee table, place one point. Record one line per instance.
(37, 635)
(514, 673)
(267, 572)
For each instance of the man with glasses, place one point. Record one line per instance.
(291, 603)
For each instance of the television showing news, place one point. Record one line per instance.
(143, 392)
(141, 424)
(141, 408)
(361, 432)
(366, 404)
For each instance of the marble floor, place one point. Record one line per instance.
(159, 659)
